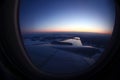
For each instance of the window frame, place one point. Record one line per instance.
(14, 55)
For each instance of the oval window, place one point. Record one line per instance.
(66, 37)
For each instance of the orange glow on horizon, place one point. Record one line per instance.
(95, 30)
(72, 31)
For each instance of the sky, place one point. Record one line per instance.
(67, 16)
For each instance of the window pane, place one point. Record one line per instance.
(66, 36)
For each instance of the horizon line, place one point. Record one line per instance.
(64, 32)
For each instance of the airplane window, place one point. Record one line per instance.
(66, 37)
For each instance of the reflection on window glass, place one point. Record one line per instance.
(66, 36)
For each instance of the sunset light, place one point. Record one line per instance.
(67, 16)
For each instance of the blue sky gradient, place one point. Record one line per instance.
(67, 16)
